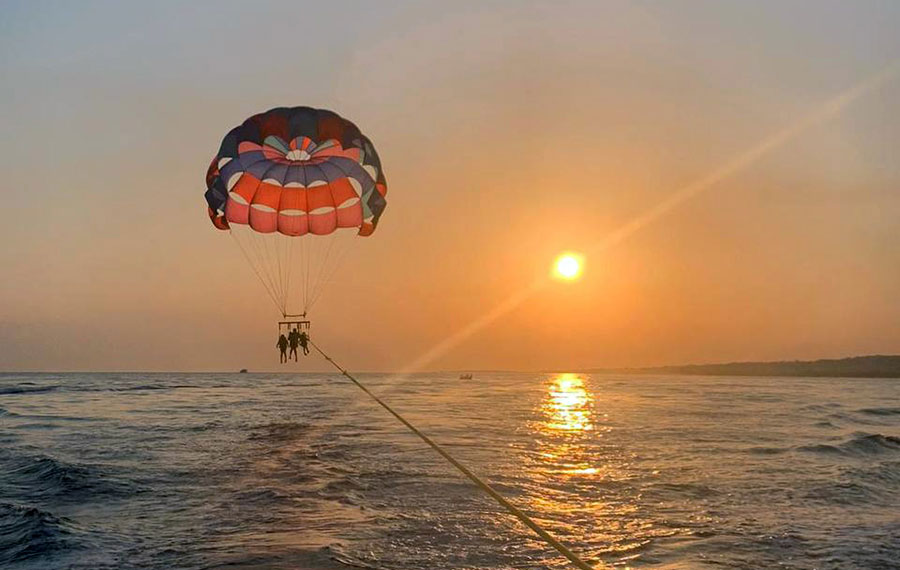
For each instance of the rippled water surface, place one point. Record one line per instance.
(302, 471)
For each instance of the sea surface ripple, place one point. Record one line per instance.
(301, 471)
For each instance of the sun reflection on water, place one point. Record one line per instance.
(576, 473)
(569, 406)
(567, 428)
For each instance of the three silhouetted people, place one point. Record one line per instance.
(293, 340)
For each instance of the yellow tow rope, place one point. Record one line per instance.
(546, 536)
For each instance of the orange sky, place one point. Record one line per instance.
(508, 131)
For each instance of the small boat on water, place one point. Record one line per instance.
(243, 371)
(465, 376)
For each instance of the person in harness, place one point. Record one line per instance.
(282, 345)
(294, 341)
(304, 342)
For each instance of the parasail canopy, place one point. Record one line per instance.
(285, 182)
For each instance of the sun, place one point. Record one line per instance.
(568, 266)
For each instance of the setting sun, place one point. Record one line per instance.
(568, 266)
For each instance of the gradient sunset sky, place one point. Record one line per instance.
(509, 131)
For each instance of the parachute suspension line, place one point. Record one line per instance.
(282, 279)
(259, 258)
(250, 261)
(292, 247)
(318, 253)
(274, 262)
(302, 278)
(253, 265)
(290, 267)
(272, 257)
(265, 256)
(308, 254)
(319, 269)
(528, 521)
(314, 251)
(272, 249)
(329, 272)
(282, 269)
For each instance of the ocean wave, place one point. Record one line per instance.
(685, 490)
(847, 492)
(861, 444)
(885, 474)
(264, 496)
(820, 448)
(279, 432)
(336, 553)
(345, 490)
(823, 408)
(874, 443)
(42, 477)
(330, 557)
(880, 411)
(31, 388)
(20, 389)
(761, 450)
(141, 387)
(138, 388)
(28, 532)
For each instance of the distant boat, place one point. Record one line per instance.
(243, 371)
(465, 376)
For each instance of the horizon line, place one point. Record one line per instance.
(458, 370)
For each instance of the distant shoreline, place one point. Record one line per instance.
(874, 366)
(871, 366)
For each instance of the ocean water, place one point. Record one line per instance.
(302, 471)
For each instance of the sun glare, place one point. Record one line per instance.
(568, 266)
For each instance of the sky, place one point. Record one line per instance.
(508, 131)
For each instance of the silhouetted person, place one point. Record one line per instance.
(293, 340)
(304, 340)
(282, 345)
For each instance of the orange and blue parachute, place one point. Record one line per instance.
(285, 183)
(296, 171)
